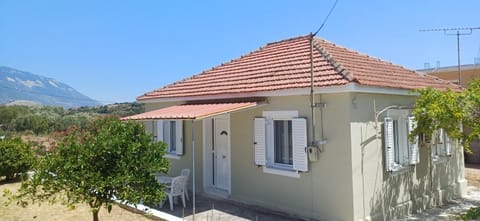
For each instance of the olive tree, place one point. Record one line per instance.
(110, 160)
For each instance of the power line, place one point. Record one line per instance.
(458, 32)
(326, 18)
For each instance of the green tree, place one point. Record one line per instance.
(8, 114)
(110, 160)
(38, 123)
(16, 158)
(451, 110)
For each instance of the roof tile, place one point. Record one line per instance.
(286, 64)
(191, 111)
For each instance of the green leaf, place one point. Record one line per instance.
(108, 159)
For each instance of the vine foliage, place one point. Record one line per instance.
(456, 112)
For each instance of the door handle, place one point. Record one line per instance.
(223, 156)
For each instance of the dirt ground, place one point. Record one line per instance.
(472, 174)
(58, 212)
(44, 142)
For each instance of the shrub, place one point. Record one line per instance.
(16, 158)
(471, 214)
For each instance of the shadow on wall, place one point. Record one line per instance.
(386, 194)
(415, 188)
(393, 199)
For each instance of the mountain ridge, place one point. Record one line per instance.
(21, 85)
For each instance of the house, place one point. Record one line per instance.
(309, 128)
(469, 73)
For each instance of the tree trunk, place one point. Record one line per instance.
(95, 207)
(95, 215)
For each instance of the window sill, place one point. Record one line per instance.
(172, 156)
(281, 172)
(400, 169)
(439, 159)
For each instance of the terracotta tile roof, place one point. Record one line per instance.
(286, 65)
(191, 111)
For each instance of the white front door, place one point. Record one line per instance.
(221, 150)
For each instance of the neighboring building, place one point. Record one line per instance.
(257, 140)
(469, 72)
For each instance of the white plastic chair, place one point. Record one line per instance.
(186, 173)
(176, 189)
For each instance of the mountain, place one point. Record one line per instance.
(18, 85)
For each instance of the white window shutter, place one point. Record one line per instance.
(389, 144)
(414, 153)
(179, 136)
(159, 130)
(440, 136)
(299, 140)
(259, 141)
(448, 146)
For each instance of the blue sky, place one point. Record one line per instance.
(114, 51)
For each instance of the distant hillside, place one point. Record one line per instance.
(46, 119)
(19, 85)
(117, 109)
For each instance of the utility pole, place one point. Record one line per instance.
(458, 32)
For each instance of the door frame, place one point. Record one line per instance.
(208, 170)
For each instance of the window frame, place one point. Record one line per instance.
(272, 148)
(264, 137)
(441, 147)
(164, 134)
(405, 153)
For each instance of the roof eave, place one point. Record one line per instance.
(347, 88)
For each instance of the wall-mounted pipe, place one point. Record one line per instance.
(312, 96)
(378, 113)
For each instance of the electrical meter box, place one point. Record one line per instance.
(312, 153)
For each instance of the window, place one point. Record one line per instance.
(280, 141)
(169, 135)
(399, 150)
(442, 146)
(170, 132)
(282, 146)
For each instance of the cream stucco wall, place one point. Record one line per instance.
(348, 182)
(324, 192)
(378, 194)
